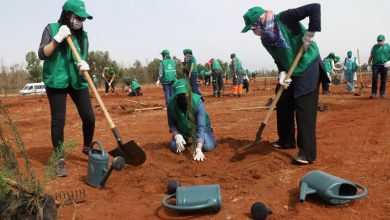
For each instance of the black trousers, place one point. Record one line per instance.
(217, 82)
(82, 100)
(303, 110)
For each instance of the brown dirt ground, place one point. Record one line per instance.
(353, 137)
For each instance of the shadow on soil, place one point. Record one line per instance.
(166, 214)
(42, 154)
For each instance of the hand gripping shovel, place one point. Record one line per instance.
(274, 101)
(130, 151)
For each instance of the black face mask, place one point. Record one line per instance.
(182, 103)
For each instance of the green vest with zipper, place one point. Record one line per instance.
(380, 54)
(169, 71)
(60, 70)
(285, 56)
(181, 119)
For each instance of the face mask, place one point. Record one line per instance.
(182, 103)
(76, 24)
(381, 42)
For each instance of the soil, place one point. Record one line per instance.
(353, 136)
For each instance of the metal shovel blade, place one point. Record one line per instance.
(131, 152)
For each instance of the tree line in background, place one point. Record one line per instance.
(12, 79)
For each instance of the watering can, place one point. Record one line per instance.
(97, 165)
(330, 188)
(196, 198)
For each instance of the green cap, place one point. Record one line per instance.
(77, 7)
(232, 55)
(185, 51)
(380, 38)
(251, 16)
(189, 51)
(180, 86)
(349, 53)
(337, 58)
(111, 69)
(332, 55)
(165, 52)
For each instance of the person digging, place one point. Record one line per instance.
(284, 37)
(109, 79)
(189, 120)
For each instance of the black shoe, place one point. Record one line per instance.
(61, 170)
(279, 146)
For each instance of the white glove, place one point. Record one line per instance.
(83, 66)
(345, 68)
(158, 83)
(199, 156)
(180, 142)
(63, 32)
(387, 64)
(282, 81)
(307, 39)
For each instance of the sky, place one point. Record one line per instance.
(140, 29)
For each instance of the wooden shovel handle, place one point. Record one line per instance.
(90, 83)
(281, 88)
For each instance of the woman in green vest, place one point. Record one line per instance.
(167, 75)
(189, 120)
(134, 88)
(283, 35)
(62, 74)
(217, 75)
(380, 58)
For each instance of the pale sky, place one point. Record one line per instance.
(141, 29)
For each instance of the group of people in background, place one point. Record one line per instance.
(281, 34)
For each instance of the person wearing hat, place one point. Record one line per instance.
(184, 64)
(109, 79)
(238, 75)
(217, 75)
(380, 58)
(95, 81)
(62, 75)
(189, 119)
(192, 68)
(167, 75)
(350, 67)
(282, 35)
(134, 89)
(329, 63)
(246, 79)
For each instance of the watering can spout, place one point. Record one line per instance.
(305, 190)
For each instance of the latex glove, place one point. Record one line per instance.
(158, 83)
(180, 142)
(307, 39)
(63, 32)
(83, 66)
(282, 81)
(387, 64)
(199, 156)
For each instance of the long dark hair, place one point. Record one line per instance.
(65, 20)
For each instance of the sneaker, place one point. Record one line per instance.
(86, 150)
(279, 146)
(61, 170)
(301, 160)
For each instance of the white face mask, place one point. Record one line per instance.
(76, 24)
(381, 42)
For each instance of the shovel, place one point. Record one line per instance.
(274, 101)
(130, 151)
(362, 84)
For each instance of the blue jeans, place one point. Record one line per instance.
(379, 69)
(194, 83)
(208, 145)
(168, 92)
(349, 78)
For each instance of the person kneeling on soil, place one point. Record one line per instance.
(134, 88)
(187, 120)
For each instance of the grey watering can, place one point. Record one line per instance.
(196, 198)
(97, 164)
(330, 188)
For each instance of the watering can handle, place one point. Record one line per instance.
(100, 146)
(357, 196)
(186, 208)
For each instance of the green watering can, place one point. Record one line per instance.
(97, 165)
(330, 188)
(196, 198)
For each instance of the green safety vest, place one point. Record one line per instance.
(285, 56)
(216, 65)
(328, 64)
(134, 85)
(60, 70)
(180, 118)
(169, 71)
(195, 70)
(238, 64)
(380, 54)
